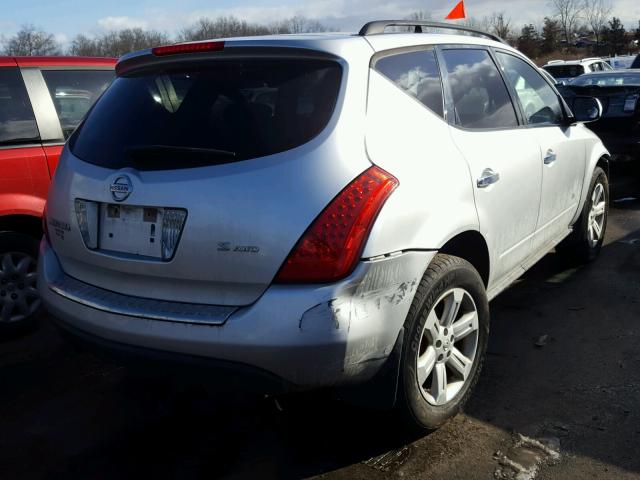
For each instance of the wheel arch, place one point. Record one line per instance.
(22, 223)
(597, 156)
(472, 247)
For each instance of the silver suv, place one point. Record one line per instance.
(320, 210)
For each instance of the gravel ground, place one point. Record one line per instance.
(557, 399)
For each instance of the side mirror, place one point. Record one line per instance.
(587, 109)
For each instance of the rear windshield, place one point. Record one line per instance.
(565, 71)
(217, 113)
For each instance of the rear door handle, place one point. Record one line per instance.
(550, 157)
(489, 177)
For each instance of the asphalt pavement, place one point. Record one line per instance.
(559, 397)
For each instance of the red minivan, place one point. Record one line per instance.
(42, 101)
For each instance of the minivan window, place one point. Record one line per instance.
(17, 122)
(416, 73)
(220, 112)
(74, 91)
(539, 102)
(480, 97)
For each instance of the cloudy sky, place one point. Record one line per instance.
(65, 18)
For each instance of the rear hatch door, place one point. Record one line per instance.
(193, 182)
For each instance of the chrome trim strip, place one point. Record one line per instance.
(116, 303)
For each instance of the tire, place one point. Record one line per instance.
(447, 280)
(19, 299)
(580, 246)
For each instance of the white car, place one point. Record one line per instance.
(566, 70)
(319, 210)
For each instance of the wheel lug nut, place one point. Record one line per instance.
(438, 344)
(14, 296)
(440, 357)
(2, 293)
(446, 332)
(21, 286)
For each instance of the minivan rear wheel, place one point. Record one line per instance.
(446, 334)
(19, 298)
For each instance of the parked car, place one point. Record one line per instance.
(636, 62)
(621, 61)
(566, 70)
(42, 100)
(317, 211)
(619, 93)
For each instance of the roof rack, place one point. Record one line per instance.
(379, 26)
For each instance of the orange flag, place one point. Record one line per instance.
(457, 13)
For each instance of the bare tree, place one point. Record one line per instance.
(30, 40)
(420, 15)
(596, 13)
(483, 23)
(568, 13)
(298, 24)
(500, 25)
(117, 43)
(225, 27)
(221, 27)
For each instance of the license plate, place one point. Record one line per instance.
(130, 229)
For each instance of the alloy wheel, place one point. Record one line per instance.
(448, 346)
(19, 297)
(595, 222)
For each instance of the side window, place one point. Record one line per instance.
(416, 73)
(73, 92)
(480, 97)
(17, 122)
(539, 102)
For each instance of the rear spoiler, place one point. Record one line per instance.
(146, 59)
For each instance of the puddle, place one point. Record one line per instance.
(525, 457)
(389, 461)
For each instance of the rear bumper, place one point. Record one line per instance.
(305, 336)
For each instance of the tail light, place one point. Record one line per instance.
(332, 245)
(630, 103)
(181, 48)
(87, 216)
(172, 225)
(45, 227)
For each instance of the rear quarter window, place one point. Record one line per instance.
(74, 92)
(17, 122)
(416, 73)
(224, 111)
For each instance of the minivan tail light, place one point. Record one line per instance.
(45, 226)
(181, 48)
(331, 246)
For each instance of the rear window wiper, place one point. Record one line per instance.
(168, 157)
